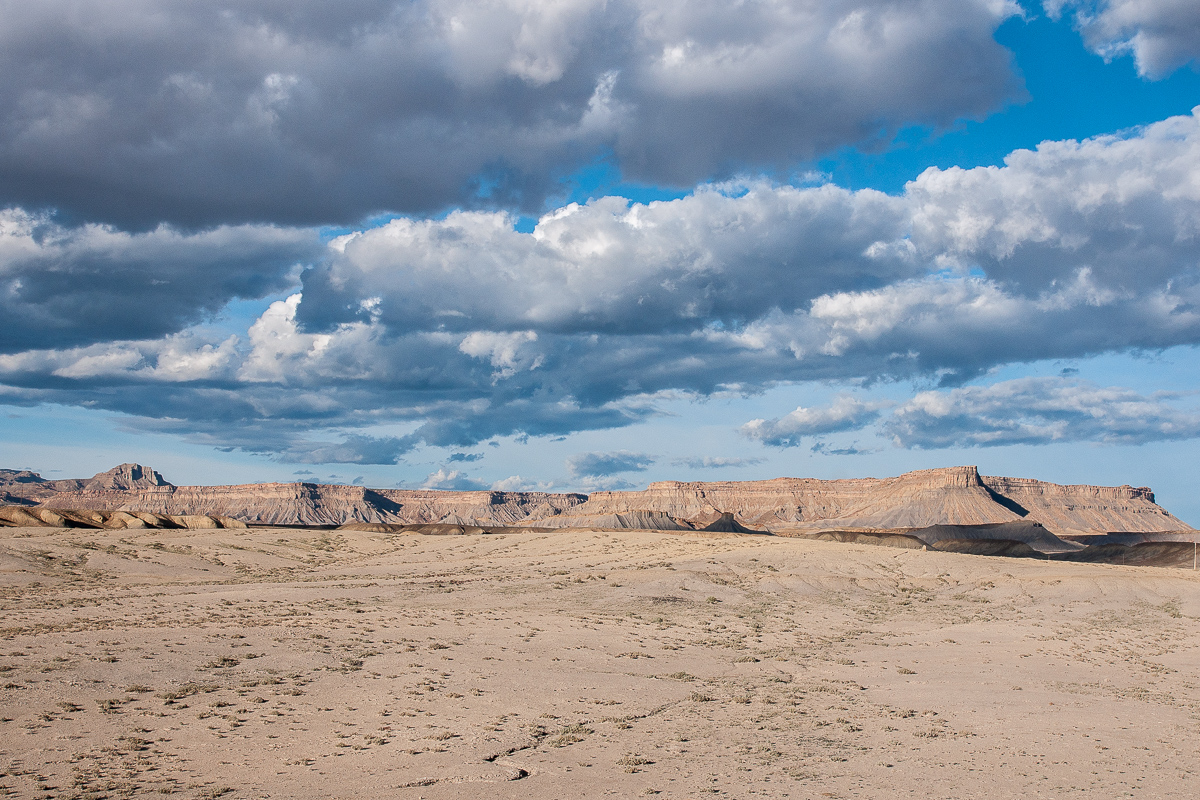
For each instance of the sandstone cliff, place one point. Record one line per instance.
(955, 495)
(131, 487)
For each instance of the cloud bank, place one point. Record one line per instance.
(457, 330)
(1028, 411)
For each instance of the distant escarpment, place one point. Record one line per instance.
(950, 496)
(953, 495)
(131, 487)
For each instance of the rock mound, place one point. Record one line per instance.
(988, 547)
(1024, 531)
(41, 517)
(727, 523)
(626, 520)
(1144, 554)
(901, 540)
(1130, 538)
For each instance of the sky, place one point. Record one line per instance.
(571, 245)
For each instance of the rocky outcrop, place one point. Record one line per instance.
(624, 520)
(124, 478)
(950, 496)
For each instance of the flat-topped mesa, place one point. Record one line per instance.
(485, 507)
(954, 495)
(322, 504)
(913, 499)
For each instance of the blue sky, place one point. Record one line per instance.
(591, 245)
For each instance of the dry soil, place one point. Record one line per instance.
(300, 663)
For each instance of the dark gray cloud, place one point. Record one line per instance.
(602, 464)
(1039, 411)
(464, 457)
(65, 286)
(353, 449)
(1161, 35)
(825, 449)
(210, 111)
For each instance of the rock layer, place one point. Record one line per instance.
(954, 495)
(951, 496)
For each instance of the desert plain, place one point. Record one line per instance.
(276, 662)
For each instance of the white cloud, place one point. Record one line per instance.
(505, 351)
(451, 479)
(726, 252)
(846, 413)
(1162, 35)
(1104, 204)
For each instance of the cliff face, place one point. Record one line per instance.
(1072, 509)
(955, 495)
(299, 503)
(914, 499)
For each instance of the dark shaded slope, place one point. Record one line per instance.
(727, 523)
(1024, 531)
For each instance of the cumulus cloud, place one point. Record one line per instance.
(1039, 411)
(451, 479)
(515, 483)
(602, 464)
(1162, 35)
(1070, 211)
(724, 253)
(209, 111)
(846, 413)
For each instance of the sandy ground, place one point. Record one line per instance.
(293, 663)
